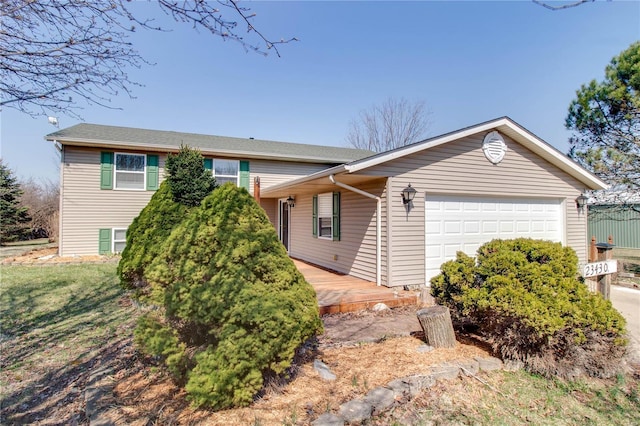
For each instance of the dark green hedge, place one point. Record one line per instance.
(525, 296)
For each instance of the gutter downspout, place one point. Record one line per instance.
(378, 223)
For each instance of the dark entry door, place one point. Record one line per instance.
(284, 224)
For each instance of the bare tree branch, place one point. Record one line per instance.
(394, 123)
(56, 53)
(548, 5)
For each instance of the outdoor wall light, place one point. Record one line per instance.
(408, 194)
(581, 202)
(291, 202)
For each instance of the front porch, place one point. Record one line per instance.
(338, 292)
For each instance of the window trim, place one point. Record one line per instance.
(114, 241)
(115, 171)
(237, 175)
(328, 195)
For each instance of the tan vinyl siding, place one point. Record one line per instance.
(270, 206)
(356, 250)
(275, 172)
(86, 208)
(460, 167)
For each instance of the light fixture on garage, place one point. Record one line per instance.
(291, 202)
(581, 201)
(408, 194)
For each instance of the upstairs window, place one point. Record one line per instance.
(129, 171)
(226, 171)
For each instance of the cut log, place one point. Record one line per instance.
(436, 324)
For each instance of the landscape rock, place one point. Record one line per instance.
(422, 349)
(356, 410)
(444, 371)
(380, 307)
(513, 365)
(410, 386)
(489, 363)
(381, 399)
(469, 367)
(328, 419)
(323, 370)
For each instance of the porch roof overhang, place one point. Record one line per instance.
(316, 183)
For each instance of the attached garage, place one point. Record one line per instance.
(492, 180)
(464, 223)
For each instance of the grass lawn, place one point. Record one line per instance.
(55, 324)
(59, 322)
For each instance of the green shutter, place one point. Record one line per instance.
(104, 241)
(336, 216)
(153, 172)
(208, 164)
(106, 170)
(244, 174)
(315, 216)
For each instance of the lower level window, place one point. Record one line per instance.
(118, 240)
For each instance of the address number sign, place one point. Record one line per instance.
(600, 268)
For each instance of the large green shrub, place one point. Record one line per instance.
(145, 236)
(525, 297)
(232, 297)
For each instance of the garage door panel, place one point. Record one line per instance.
(455, 224)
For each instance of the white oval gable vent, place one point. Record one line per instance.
(494, 147)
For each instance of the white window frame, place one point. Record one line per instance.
(329, 196)
(114, 241)
(115, 172)
(213, 169)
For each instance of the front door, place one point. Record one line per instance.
(283, 223)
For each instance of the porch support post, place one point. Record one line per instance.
(378, 223)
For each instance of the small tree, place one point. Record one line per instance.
(234, 306)
(42, 199)
(605, 120)
(13, 217)
(394, 123)
(189, 181)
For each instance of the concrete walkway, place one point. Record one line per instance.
(627, 302)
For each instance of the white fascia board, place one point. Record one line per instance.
(139, 146)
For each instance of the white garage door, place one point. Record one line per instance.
(455, 224)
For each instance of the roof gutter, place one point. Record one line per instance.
(378, 223)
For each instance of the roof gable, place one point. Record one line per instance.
(504, 125)
(101, 136)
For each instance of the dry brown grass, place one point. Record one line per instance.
(142, 398)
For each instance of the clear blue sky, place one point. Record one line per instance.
(470, 62)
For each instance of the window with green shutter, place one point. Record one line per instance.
(326, 216)
(244, 174)
(153, 172)
(104, 241)
(106, 170)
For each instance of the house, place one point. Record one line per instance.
(392, 218)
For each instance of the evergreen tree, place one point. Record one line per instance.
(13, 217)
(231, 306)
(188, 180)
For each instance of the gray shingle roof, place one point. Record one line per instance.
(125, 137)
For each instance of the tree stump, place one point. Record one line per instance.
(436, 324)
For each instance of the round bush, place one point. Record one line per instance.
(234, 298)
(525, 296)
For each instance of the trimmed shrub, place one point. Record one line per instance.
(145, 236)
(233, 297)
(524, 295)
